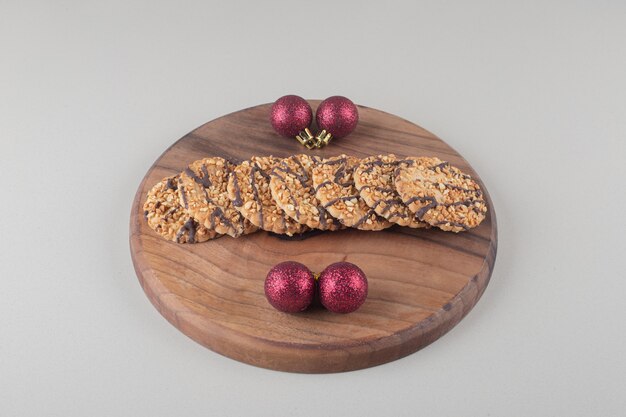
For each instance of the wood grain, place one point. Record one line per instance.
(421, 282)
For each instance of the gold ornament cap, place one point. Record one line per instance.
(307, 139)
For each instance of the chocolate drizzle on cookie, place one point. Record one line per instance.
(204, 181)
(189, 227)
(183, 194)
(375, 163)
(255, 191)
(478, 193)
(430, 203)
(369, 215)
(292, 199)
(171, 184)
(388, 205)
(303, 178)
(219, 214)
(237, 201)
(336, 200)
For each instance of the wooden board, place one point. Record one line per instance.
(421, 282)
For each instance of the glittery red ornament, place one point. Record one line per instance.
(337, 115)
(290, 115)
(290, 287)
(342, 287)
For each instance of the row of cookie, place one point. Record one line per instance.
(420, 192)
(378, 191)
(212, 196)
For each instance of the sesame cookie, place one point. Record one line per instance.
(334, 188)
(291, 185)
(249, 191)
(373, 178)
(440, 194)
(202, 192)
(168, 218)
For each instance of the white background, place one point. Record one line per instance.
(532, 93)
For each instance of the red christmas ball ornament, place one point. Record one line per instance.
(342, 287)
(290, 287)
(338, 116)
(290, 115)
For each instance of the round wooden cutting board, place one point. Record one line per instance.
(421, 282)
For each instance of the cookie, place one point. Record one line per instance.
(291, 185)
(168, 218)
(373, 178)
(440, 194)
(249, 190)
(202, 191)
(334, 188)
